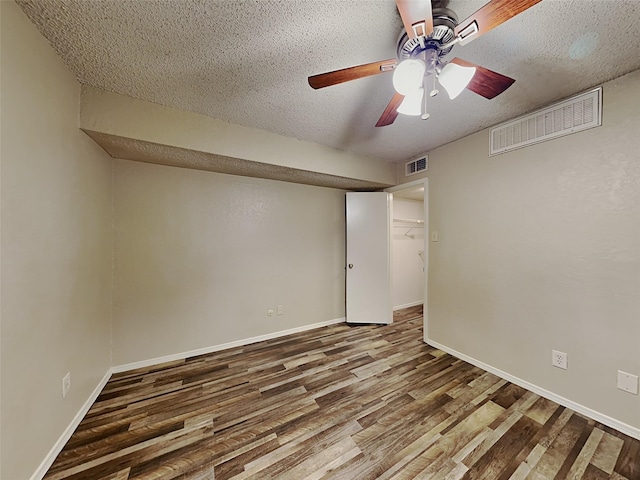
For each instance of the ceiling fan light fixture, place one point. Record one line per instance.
(412, 103)
(454, 78)
(408, 75)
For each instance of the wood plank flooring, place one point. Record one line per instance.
(339, 402)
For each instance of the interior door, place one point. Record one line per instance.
(369, 257)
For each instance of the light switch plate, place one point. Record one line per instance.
(628, 382)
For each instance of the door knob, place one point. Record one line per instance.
(351, 265)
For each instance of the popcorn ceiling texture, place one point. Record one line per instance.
(247, 61)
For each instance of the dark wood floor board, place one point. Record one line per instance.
(254, 420)
(135, 411)
(525, 458)
(147, 393)
(114, 443)
(131, 456)
(628, 464)
(177, 463)
(228, 467)
(232, 440)
(553, 459)
(496, 460)
(121, 384)
(205, 404)
(385, 451)
(304, 448)
(137, 372)
(398, 462)
(425, 382)
(519, 407)
(354, 402)
(594, 473)
(320, 380)
(82, 437)
(472, 390)
(296, 376)
(429, 464)
(580, 448)
(582, 461)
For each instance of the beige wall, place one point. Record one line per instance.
(540, 249)
(56, 249)
(201, 257)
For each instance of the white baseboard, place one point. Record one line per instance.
(64, 438)
(600, 417)
(223, 346)
(407, 305)
(66, 435)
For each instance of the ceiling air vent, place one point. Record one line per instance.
(578, 113)
(418, 165)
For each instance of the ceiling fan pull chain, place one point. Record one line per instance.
(435, 90)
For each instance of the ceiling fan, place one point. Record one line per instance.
(429, 34)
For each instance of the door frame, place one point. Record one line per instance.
(404, 186)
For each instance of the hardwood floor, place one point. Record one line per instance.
(339, 402)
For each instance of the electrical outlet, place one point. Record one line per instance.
(280, 310)
(66, 384)
(559, 359)
(270, 313)
(628, 382)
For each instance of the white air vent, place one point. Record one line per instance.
(418, 165)
(578, 113)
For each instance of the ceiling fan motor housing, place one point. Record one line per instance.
(444, 23)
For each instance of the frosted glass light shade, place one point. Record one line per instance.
(407, 76)
(455, 78)
(412, 103)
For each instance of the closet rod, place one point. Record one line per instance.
(409, 220)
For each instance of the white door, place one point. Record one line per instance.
(369, 257)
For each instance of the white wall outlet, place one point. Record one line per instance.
(628, 382)
(270, 313)
(434, 236)
(280, 310)
(559, 359)
(66, 384)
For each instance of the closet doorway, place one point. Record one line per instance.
(409, 258)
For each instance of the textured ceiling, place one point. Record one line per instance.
(247, 62)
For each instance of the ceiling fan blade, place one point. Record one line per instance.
(352, 73)
(416, 16)
(490, 16)
(391, 112)
(485, 82)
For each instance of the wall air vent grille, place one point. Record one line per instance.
(415, 166)
(573, 115)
